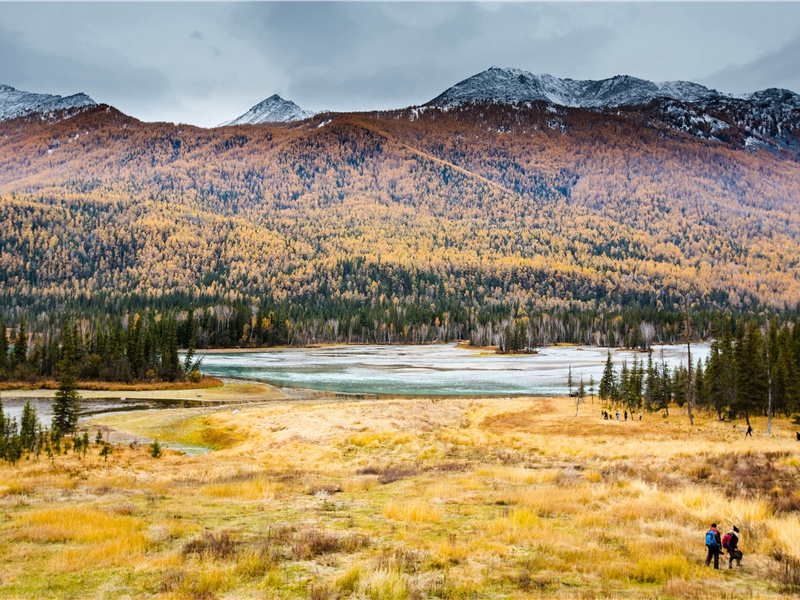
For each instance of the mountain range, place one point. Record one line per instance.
(15, 103)
(770, 118)
(472, 206)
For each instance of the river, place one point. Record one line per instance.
(431, 370)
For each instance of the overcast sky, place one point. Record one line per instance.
(207, 63)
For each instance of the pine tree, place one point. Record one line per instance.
(105, 451)
(625, 385)
(3, 349)
(20, 354)
(651, 384)
(635, 382)
(751, 373)
(27, 427)
(664, 396)
(580, 396)
(607, 382)
(67, 400)
(700, 398)
(570, 382)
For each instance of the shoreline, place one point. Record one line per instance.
(230, 391)
(207, 382)
(462, 344)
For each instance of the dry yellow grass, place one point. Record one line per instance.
(412, 511)
(73, 524)
(445, 498)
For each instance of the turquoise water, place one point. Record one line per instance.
(431, 370)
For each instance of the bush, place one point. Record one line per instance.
(218, 546)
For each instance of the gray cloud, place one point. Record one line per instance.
(780, 68)
(125, 85)
(364, 56)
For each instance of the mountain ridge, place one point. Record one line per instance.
(16, 103)
(271, 110)
(511, 85)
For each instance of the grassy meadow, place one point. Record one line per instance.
(406, 498)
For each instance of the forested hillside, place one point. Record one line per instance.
(478, 221)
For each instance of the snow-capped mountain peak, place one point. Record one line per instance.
(17, 103)
(272, 110)
(507, 85)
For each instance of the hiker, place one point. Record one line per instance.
(605, 418)
(617, 415)
(731, 543)
(626, 415)
(713, 544)
(640, 415)
(749, 431)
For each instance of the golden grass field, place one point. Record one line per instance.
(407, 498)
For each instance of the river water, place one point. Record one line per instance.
(435, 370)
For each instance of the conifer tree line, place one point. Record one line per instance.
(751, 370)
(141, 344)
(29, 437)
(143, 347)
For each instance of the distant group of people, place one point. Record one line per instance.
(729, 542)
(607, 415)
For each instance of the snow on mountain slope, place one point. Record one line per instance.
(16, 103)
(768, 118)
(510, 86)
(272, 110)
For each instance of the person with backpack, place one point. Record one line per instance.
(713, 544)
(730, 542)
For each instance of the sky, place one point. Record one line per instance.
(205, 63)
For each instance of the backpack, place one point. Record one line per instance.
(711, 538)
(726, 540)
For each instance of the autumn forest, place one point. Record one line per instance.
(508, 226)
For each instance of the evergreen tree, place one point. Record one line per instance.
(155, 449)
(20, 354)
(67, 400)
(664, 388)
(624, 385)
(635, 385)
(651, 384)
(27, 427)
(569, 381)
(188, 365)
(699, 385)
(4, 345)
(751, 373)
(607, 382)
(679, 385)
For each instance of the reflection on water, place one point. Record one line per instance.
(442, 370)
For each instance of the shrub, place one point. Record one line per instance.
(219, 546)
(155, 449)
